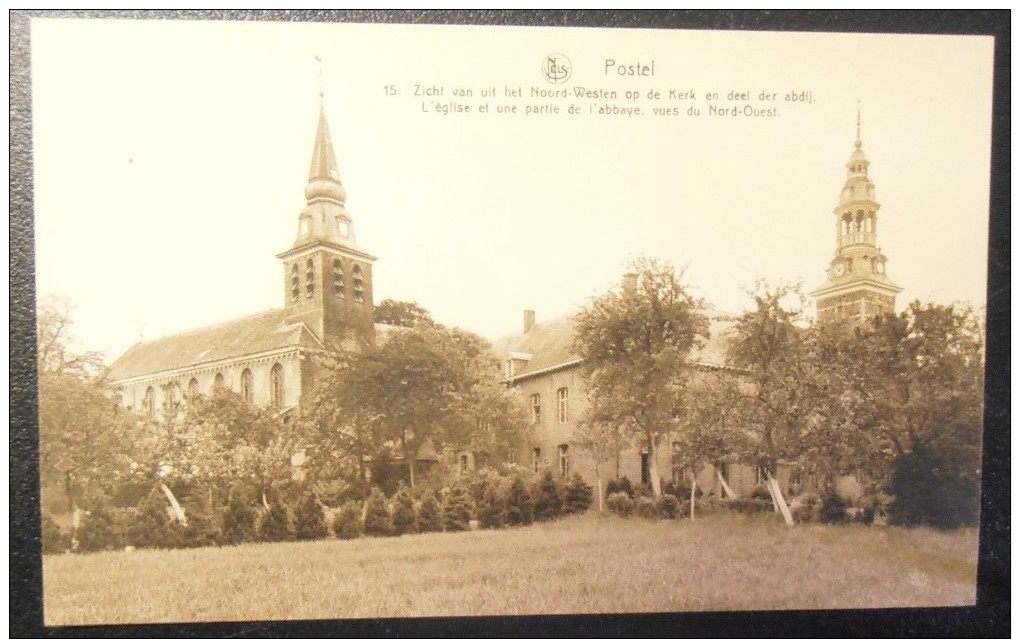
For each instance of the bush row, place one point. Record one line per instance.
(488, 500)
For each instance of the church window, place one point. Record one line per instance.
(149, 403)
(218, 382)
(359, 292)
(172, 396)
(310, 278)
(193, 389)
(246, 386)
(536, 408)
(276, 385)
(338, 279)
(561, 400)
(564, 460)
(536, 458)
(295, 284)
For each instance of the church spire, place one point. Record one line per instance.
(323, 175)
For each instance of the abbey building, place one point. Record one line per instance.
(267, 357)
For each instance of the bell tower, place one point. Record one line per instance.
(327, 275)
(856, 284)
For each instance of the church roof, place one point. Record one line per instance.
(550, 344)
(248, 335)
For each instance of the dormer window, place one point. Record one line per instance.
(303, 226)
(343, 228)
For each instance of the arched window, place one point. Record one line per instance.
(149, 402)
(218, 382)
(172, 395)
(193, 389)
(276, 389)
(359, 293)
(338, 279)
(246, 386)
(310, 279)
(295, 284)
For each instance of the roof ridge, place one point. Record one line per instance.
(207, 327)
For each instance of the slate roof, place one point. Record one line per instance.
(248, 335)
(550, 344)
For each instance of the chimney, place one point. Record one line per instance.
(529, 320)
(629, 282)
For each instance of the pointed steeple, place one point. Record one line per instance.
(323, 175)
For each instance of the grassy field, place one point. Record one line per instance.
(582, 564)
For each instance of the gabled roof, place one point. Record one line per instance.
(550, 345)
(248, 335)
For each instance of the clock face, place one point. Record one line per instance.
(840, 269)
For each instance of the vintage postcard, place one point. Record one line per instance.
(348, 321)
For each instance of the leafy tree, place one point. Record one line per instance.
(348, 522)
(85, 442)
(418, 385)
(598, 434)
(276, 521)
(912, 386)
(407, 314)
(712, 430)
(636, 345)
(239, 517)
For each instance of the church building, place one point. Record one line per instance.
(267, 358)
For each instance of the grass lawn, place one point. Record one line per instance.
(582, 564)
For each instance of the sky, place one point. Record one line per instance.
(171, 158)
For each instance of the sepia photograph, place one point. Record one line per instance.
(349, 321)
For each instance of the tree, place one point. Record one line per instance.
(635, 345)
(599, 437)
(786, 385)
(407, 314)
(420, 384)
(85, 436)
(712, 430)
(913, 387)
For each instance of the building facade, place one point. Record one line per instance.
(268, 358)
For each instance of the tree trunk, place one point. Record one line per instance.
(726, 487)
(694, 486)
(598, 482)
(653, 468)
(178, 511)
(777, 494)
(71, 507)
(772, 494)
(410, 470)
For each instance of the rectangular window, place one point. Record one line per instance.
(646, 475)
(511, 456)
(561, 397)
(536, 458)
(536, 408)
(564, 461)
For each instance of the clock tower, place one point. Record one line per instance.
(856, 284)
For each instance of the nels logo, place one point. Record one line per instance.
(556, 68)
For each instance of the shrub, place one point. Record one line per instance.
(492, 506)
(761, 492)
(238, 523)
(577, 495)
(378, 522)
(620, 503)
(457, 508)
(403, 515)
(621, 485)
(669, 507)
(833, 509)
(275, 523)
(936, 488)
(519, 507)
(98, 531)
(748, 505)
(347, 522)
(646, 508)
(430, 513)
(309, 520)
(54, 539)
(643, 490)
(150, 525)
(546, 497)
(805, 508)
